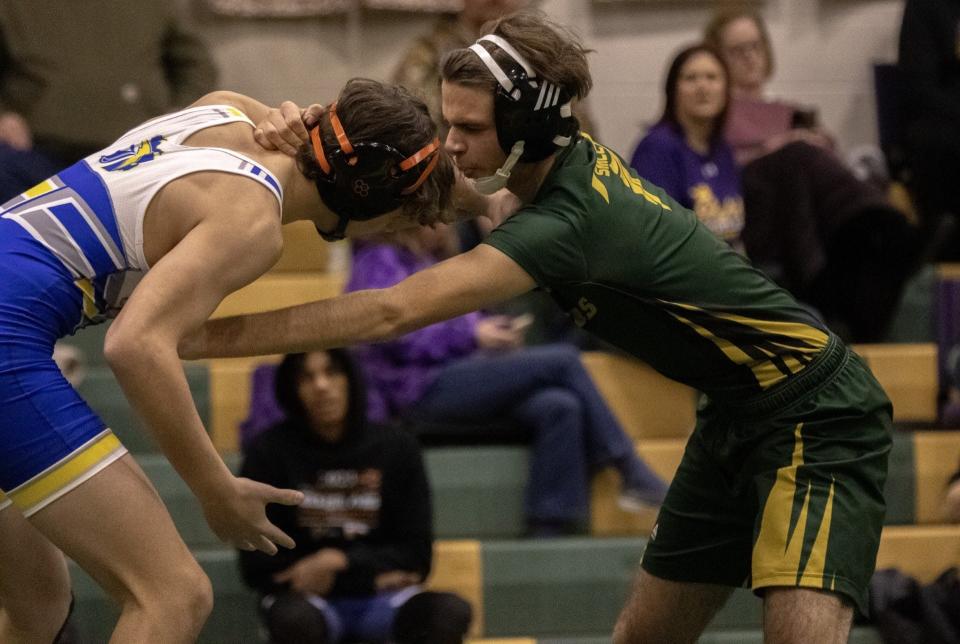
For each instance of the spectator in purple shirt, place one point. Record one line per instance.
(473, 370)
(685, 152)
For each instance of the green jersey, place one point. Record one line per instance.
(637, 269)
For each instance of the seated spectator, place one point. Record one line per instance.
(685, 152)
(833, 240)
(930, 60)
(756, 124)
(117, 64)
(364, 534)
(473, 370)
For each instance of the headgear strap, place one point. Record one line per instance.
(343, 182)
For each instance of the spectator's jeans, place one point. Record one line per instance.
(548, 389)
(406, 616)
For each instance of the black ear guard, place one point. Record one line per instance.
(362, 181)
(526, 108)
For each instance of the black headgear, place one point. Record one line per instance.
(526, 108)
(362, 181)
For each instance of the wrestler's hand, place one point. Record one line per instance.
(501, 205)
(238, 515)
(286, 128)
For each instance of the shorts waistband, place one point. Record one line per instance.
(830, 360)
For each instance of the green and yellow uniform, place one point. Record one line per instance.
(781, 483)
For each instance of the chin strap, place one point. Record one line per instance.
(498, 180)
(337, 233)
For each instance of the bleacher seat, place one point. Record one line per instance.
(543, 591)
(606, 518)
(909, 375)
(458, 568)
(477, 492)
(921, 551)
(647, 404)
(280, 289)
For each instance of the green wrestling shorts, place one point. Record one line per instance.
(785, 489)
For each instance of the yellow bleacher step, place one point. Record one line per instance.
(936, 454)
(647, 404)
(606, 519)
(921, 551)
(458, 568)
(909, 374)
(948, 271)
(278, 290)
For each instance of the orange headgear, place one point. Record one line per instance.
(365, 180)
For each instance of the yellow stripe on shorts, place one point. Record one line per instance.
(72, 470)
(778, 550)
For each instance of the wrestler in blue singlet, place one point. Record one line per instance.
(70, 250)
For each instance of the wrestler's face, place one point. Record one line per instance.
(472, 139)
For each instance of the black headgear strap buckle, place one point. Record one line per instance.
(362, 181)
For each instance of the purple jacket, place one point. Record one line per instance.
(400, 371)
(708, 184)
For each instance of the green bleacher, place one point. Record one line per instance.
(547, 590)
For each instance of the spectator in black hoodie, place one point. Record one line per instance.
(364, 534)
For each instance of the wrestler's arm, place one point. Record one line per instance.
(466, 282)
(226, 250)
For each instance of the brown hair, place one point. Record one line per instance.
(554, 52)
(713, 33)
(673, 79)
(373, 111)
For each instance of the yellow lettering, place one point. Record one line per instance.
(608, 164)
